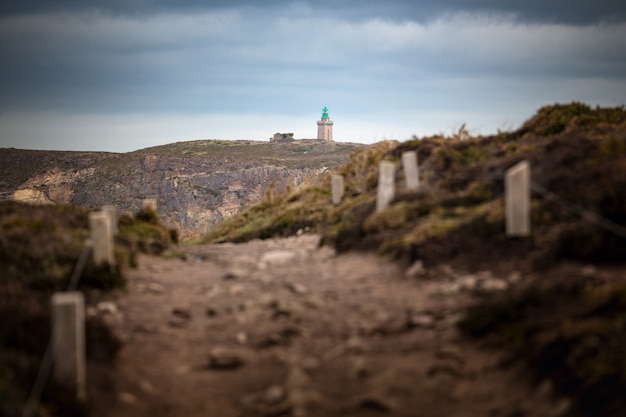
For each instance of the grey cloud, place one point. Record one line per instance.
(156, 70)
(560, 11)
(89, 62)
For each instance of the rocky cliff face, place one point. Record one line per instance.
(196, 184)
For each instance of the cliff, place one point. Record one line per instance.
(196, 183)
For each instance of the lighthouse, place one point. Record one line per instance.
(325, 127)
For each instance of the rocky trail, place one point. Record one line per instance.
(284, 327)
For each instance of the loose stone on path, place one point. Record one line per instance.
(222, 358)
(303, 331)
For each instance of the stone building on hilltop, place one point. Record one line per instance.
(324, 130)
(282, 137)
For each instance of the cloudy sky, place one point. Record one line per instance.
(120, 75)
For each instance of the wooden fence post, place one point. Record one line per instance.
(102, 238)
(517, 199)
(338, 188)
(149, 204)
(113, 215)
(411, 170)
(68, 341)
(386, 184)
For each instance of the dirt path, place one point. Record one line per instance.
(284, 328)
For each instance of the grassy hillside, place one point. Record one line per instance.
(239, 153)
(576, 152)
(297, 154)
(18, 165)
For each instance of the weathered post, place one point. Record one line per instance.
(411, 171)
(338, 188)
(386, 186)
(102, 238)
(149, 204)
(112, 212)
(517, 199)
(68, 341)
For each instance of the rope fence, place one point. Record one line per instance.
(586, 214)
(581, 211)
(43, 374)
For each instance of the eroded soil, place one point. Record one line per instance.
(288, 328)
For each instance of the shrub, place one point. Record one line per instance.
(567, 331)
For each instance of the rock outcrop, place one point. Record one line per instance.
(194, 189)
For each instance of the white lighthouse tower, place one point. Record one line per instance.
(325, 127)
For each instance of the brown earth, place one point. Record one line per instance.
(288, 328)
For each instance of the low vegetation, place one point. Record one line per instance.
(575, 152)
(306, 153)
(578, 346)
(18, 165)
(39, 249)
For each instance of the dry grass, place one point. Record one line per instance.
(573, 150)
(296, 154)
(566, 330)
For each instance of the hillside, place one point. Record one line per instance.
(196, 183)
(560, 313)
(453, 317)
(577, 156)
